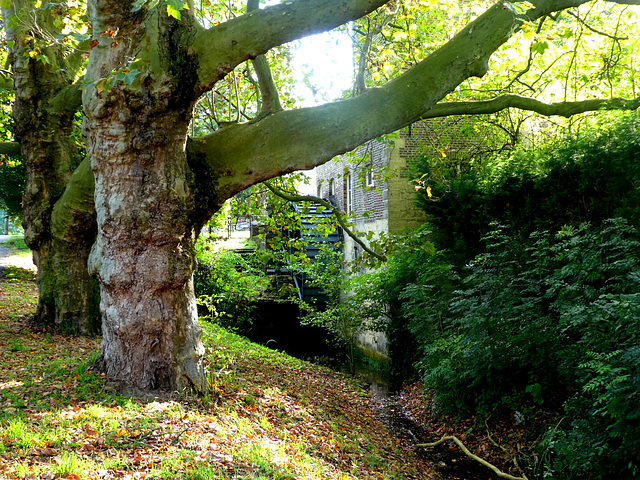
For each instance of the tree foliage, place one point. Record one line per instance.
(553, 324)
(12, 184)
(12, 169)
(582, 178)
(227, 285)
(540, 314)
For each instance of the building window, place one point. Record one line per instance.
(319, 191)
(332, 188)
(348, 193)
(368, 177)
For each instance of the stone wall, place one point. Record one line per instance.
(386, 194)
(363, 171)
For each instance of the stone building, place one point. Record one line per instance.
(373, 185)
(372, 182)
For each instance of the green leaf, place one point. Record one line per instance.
(172, 12)
(80, 37)
(127, 77)
(567, 33)
(130, 77)
(174, 7)
(540, 47)
(13, 22)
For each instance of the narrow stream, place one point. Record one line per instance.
(451, 464)
(277, 326)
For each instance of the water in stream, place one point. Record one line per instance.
(451, 464)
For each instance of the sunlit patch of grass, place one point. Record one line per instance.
(207, 471)
(18, 293)
(25, 469)
(175, 463)
(70, 463)
(272, 418)
(112, 461)
(17, 246)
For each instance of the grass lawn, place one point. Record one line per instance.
(17, 246)
(268, 416)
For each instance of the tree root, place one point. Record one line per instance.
(466, 451)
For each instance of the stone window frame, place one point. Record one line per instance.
(369, 178)
(348, 193)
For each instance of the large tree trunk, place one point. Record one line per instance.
(144, 255)
(76, 294)
(44, 109)
(68, 295)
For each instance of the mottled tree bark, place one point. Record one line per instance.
(144, 254)
(44, 109)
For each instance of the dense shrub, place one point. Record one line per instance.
(13, 178)
(551, 321)
(226, 285)
(589, 178)
(542, 312)
(376, 298)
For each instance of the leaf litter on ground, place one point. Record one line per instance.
(268, 416)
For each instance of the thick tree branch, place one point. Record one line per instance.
(10, 148)
(268, 90)
(563, 109)
(225, 46)
(220, 48)
(68, 100)
(242, 155)
(74, 214)
(265, 148)
(337, 213)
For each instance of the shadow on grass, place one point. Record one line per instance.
(268, 415)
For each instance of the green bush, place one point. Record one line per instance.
(552, 321)
(226, 285)
(13, 179)
(380, 296)
(589, 178)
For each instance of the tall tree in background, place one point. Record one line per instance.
(148, 65)
(59, 221)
